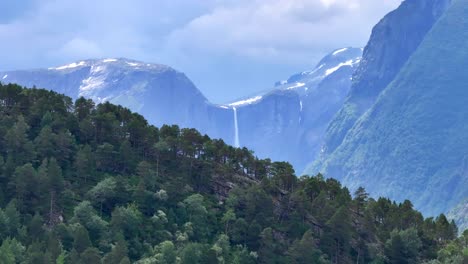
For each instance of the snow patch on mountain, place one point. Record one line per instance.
(69, 66)
(246, 101)
(339, 51)
(95, 81)
(297, 85)
(347, 63)
(91, 83)
(109, 60)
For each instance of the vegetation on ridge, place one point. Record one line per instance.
(81, 183)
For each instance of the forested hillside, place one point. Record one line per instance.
(81, 183)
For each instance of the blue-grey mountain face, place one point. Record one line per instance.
(305, 82)
(412, 143)
(160, 93)
(289, 122)
(286, 123)
(392, 42)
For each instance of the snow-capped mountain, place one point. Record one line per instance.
(304, 81)
(288, 122)
(161, 94)
(292, 114)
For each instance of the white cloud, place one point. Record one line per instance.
(281, 29)
(240, 43)
(80, 47)
(70, 29)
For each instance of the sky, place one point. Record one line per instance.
(228, 48)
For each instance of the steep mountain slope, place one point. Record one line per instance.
(160, 93)
(289, 122)
(392, 42)
(413, 142)
(459, 213)
(293, 114)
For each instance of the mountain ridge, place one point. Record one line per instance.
(166, 96)
(391, 43)
(415, 139)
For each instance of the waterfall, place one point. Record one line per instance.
(236, 129)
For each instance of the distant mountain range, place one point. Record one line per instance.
(160, 93)
(293, 115)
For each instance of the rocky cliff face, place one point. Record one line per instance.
(412, 143)
(288, 123)
(392, 42)
(459, 214)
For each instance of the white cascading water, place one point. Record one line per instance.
(236, 129)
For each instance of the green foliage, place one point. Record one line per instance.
(118, 254)
(403, 246)
(96, 184)
(11, 251)
(81, 239)
(306, 250)
(90, 256)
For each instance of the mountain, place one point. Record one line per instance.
(392, 42)
(293, 114)
(288, 123)
(412, 143)
(160, 93)
(308, 81)
(83, 183)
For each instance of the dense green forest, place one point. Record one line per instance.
(86, 183)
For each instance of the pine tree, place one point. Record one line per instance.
(396, 250)
(84, 164)
(25, 185)
(118, 253)
(360, 196)
(338, 235)
(11, 251)
(53, 246)
(269, 247)
(305, 250)
(44, 143)
(19, 148)
(90, 256)
(81, 239)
